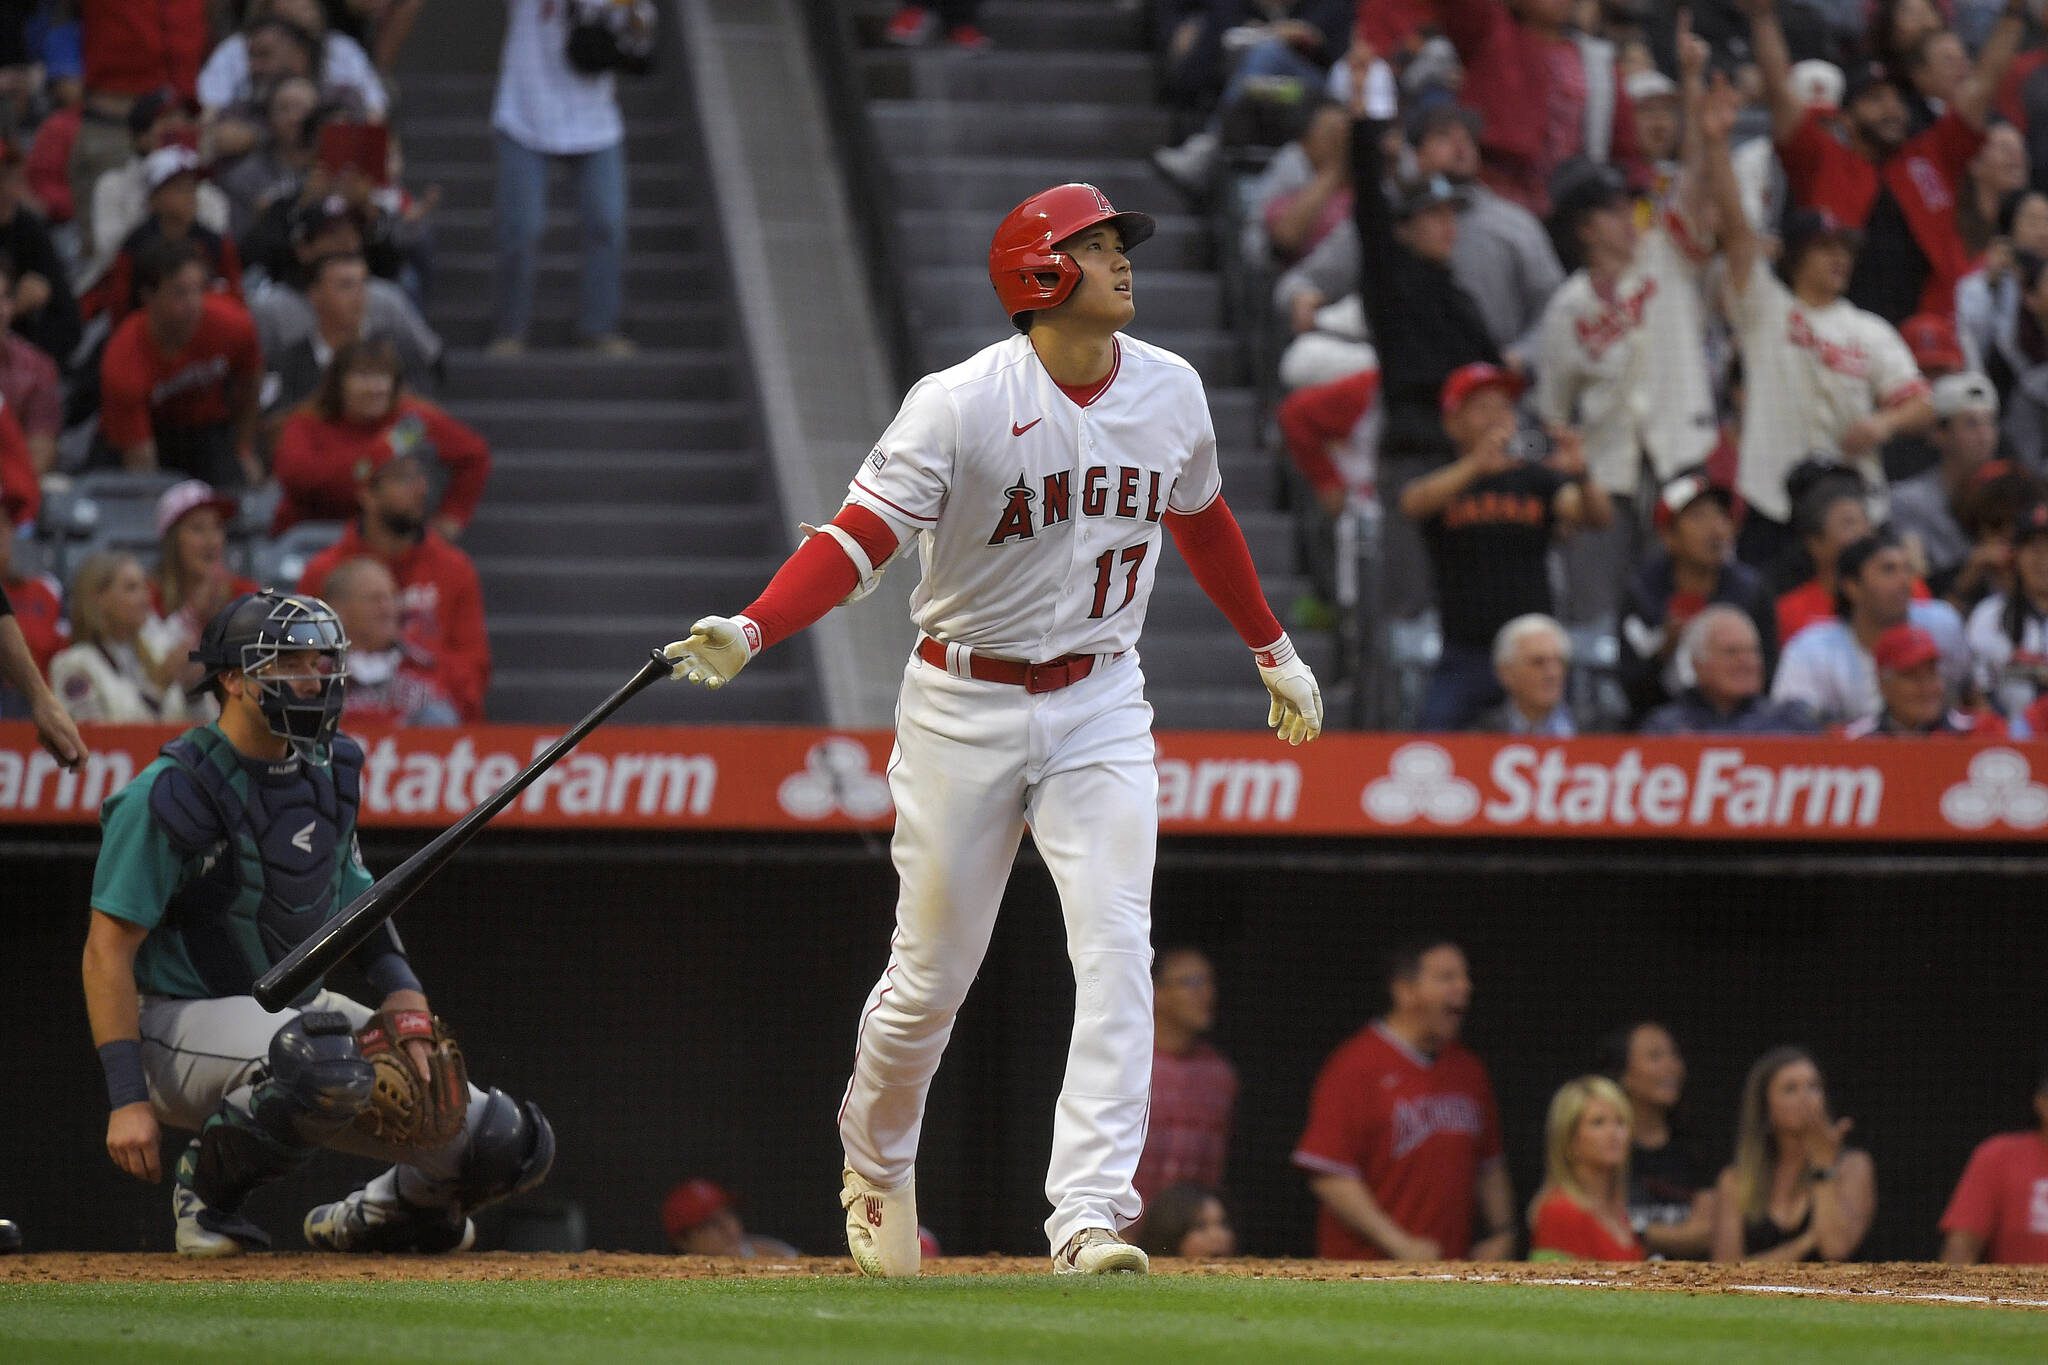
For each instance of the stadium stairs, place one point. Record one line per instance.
(1067, 94)
(629, 494)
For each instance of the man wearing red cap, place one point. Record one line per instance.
(699, 1219)
(440, 598)
(1915, 699)
(1037, 478)
(1488, 518)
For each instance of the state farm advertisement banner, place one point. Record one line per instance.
(1405, 786)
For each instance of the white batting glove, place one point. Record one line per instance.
(718, 648)
(1297, 711)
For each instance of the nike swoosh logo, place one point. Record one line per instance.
(1016, 430)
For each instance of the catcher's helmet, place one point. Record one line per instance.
(254, 630)
(1024, 264)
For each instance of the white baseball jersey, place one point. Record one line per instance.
(1810, 373)
(1037, 519)
(1630, 370)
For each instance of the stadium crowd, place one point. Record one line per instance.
(1603, 313)
(217, 366)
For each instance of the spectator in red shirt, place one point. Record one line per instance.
(172, 175)
(1186, 1221)
(21, 492)
(179, 379)
(388, 683)
(1545, 92)
(131, 48)
(1194, 1087)
(1795, 1191)
(37, 605)
(1900, 191)
(1581, 1213)
(362, 408)
(1999, 1212)
(29, 383)
(1830, 514)
(22, 685)
(440, 600)
(49, 152)
(1403, 1140)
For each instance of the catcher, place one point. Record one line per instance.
(215, 861)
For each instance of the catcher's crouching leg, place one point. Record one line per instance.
(315, 1083)
(506, 1148)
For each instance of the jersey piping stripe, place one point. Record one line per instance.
(1197, 511)
(904, 511)
(860, 1034)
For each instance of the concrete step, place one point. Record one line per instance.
(1212, 655)
(1217, 356)
(460, 228)
(956, 296)
(1207, 708)
(441, 93)
(994, 186)
(664, 323)
(960, 237)
(1033, 26)
(676, 581)
(658, 183)
(650, 425)
(666, 477)
(558, 275)
(1177, 599)
(595, 530)
(1235, 415)
(527, 641)
(537, 695)
(704, 373)
(1021, 77)
(912, 128)
(468, 137)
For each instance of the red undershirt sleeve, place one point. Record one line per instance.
(819, 575)
(1213, 545)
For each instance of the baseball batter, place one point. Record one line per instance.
(215, 862)
(1035, 478)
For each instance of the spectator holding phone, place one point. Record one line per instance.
(1488, 519)
(359, 416)
(547, 110)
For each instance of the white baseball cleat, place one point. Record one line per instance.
(881, 1225)
(1098, 1251)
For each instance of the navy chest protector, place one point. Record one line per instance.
(271, 849)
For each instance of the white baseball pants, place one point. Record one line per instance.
(974, 763)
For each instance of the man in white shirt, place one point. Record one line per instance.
(1823, 377)
(1828, 665)
(545, 109)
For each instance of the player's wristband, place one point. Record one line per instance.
(389, 971)
(1272, 656)
(122, 1061)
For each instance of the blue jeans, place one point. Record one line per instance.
(522, 204)
(1462, 686)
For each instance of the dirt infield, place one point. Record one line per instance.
(1999, 1286)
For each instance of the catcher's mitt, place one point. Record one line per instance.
(404, 1110)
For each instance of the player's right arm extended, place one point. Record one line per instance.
(844, 557)
(1351, 1201)
(114, 1008)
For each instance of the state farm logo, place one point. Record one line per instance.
(2000, 786)
(1717, 789)
(836, 777)
(1419, 782)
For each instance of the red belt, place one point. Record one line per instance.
(1050, 676)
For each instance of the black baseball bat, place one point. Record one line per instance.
(326, 946)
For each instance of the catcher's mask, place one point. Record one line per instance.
(293, 649)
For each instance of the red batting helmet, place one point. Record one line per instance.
(1024, 264)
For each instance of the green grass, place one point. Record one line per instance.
(1088, 1322)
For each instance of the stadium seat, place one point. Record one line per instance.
(278, 563)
